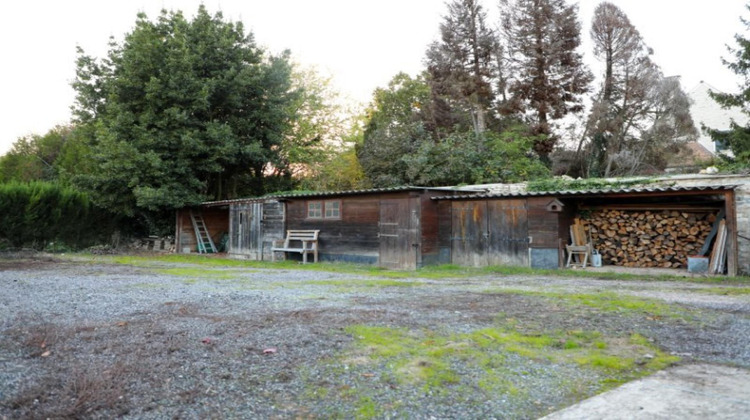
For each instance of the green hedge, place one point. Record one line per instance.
(47, 215)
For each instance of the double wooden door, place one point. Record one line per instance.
(489, 232)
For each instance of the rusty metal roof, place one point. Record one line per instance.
(584, 193)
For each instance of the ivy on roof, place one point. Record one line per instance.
(589, 184)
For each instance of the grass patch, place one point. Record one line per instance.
(606, 302)
(498, 361)
(446, 271)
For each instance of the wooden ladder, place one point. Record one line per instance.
(202, 237)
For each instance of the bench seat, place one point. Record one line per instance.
(306, 241)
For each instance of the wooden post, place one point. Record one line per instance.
(731, 221)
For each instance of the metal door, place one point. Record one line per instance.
(398, 226)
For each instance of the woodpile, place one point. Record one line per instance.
(648, 238)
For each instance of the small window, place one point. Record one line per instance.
(333, 209)
(314, 210)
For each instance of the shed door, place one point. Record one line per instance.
(469, 233)
(489, 233)
(508, 232)
(246, 230)
(398, 225)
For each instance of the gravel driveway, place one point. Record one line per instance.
(90, 338)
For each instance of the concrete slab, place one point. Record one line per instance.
(698, 391)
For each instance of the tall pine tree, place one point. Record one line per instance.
(462, 67)
(546, 76)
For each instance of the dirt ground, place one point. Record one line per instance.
(93, 338)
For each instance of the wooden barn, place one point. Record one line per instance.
(394, 228)
(632, 227)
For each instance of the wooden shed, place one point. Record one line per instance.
(243, 228)
(531, 228)
(394, 227)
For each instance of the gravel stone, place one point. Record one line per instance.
(146, 343)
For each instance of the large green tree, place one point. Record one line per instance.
(182, 111)
(395, 127)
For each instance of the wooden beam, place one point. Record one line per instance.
(731, 218)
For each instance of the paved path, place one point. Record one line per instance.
(699, 391)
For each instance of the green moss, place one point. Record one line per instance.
(606, 302)
(366, 408)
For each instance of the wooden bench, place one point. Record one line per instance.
(308, 242)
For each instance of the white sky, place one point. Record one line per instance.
(361, 44)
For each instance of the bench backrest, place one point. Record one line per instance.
(299, 235)
(310, 236)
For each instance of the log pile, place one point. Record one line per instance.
(648, 238)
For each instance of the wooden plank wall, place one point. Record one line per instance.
(217, 223)
(430, 240)
(543, 225)
(352, 238)
(273, 225)
(444, 214)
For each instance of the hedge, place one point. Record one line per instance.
(48, 215)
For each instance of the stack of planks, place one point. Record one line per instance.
(719, 251)
(660, 238)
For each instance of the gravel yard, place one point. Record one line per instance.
(89, 337)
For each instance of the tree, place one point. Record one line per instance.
(182, 111)
(638, 113)
(394, 129)
(462, 67)
(35, 157)
(546, 74)
(737, 137)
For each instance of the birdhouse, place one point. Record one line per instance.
(555, 206)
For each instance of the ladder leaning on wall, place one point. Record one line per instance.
(202, 237)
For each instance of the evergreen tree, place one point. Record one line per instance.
(462, 67)
(737, 138)
(546, 76)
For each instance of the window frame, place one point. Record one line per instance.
(326, 210)
(313, 213)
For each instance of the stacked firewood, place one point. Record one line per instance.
(648, 238)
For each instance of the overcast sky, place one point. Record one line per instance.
(360, 44)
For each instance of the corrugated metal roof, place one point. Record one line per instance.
(641, 190)
(234, 201)
(339, 193)
(370, 191)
